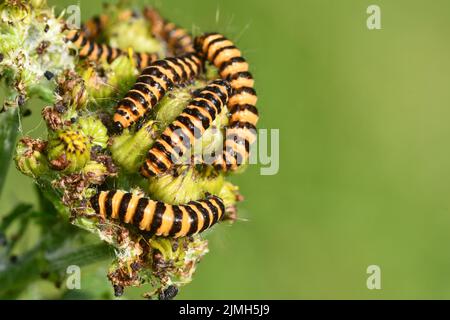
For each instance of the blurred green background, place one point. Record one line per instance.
(364, 152)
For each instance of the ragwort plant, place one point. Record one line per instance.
(78, 156)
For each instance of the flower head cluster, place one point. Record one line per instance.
(79, 154)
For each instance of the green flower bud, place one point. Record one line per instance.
(133, 33)
(114, 80)
(94, 130)
(68, 150)
(30, 158)
(121, 74)
(128, 150)
(187, 185)
(95, 172)
(13, 12)
(212, 139)
(174, 102)
(229, 194)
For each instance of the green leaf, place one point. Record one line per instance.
(19, 211)
(9, 125)
(51, 256)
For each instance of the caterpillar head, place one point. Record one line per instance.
(116, 127)
(198, 44)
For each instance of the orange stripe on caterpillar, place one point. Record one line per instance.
(179, 136)
(151, 86)
(241, 131)
(177, 39)
(90, 50)
(158, 218)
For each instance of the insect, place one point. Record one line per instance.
(93, 27)
(241, 131)
(152, 85)
(178, 137)
(169, 293)
(93, 51)
(143, 59)
(158, 218)
(178, 40)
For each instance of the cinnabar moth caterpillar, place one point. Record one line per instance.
(90, 49)
(143, 59)
(241, 130)
(93, 51)
(179, 136)
(152, 85)
(178, 40)
(158, 218)
(93, 27)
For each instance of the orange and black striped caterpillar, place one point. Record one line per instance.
(93, 27)
(157, 218)
(153, 83)
(93, 51)
(177, 39)
(90, 49)
(241, 130)
(179, 136)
